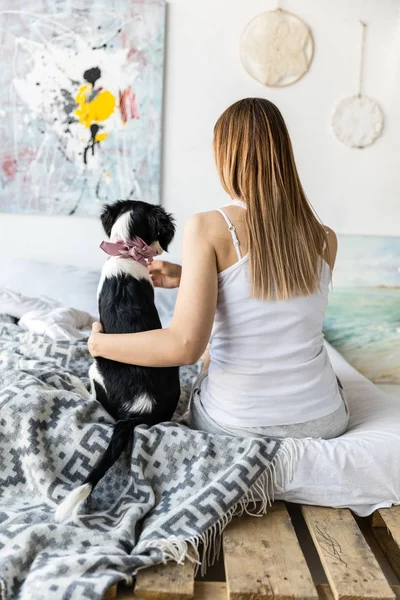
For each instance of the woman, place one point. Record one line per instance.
(256, 276)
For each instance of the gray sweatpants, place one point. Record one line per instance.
(328, 427)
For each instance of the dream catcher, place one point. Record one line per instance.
(276, 48)
(358, 120)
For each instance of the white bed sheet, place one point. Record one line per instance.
(361, 469)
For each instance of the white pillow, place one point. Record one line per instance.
(74, 287)
(16, 304)
(359, 470)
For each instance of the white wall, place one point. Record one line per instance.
(354, 191)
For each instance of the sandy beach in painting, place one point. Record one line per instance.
(363, 324)
(363, 316)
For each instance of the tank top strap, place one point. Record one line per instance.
(237, 203)
(324, 246)
(232, 230)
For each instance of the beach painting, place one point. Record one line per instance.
(80, 104)
(363, 316)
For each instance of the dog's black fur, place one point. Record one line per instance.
(126, 305)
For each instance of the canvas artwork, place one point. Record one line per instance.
(363, 316)
(80, 104)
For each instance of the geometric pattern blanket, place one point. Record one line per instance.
(178, 489)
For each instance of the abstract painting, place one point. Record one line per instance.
(363, 316)
(80, 103)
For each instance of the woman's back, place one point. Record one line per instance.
(268, 362)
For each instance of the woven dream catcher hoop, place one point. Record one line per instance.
(276, 48)
(358, 120)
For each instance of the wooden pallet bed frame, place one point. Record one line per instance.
(263, 558)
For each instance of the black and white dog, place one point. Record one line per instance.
(132, 395)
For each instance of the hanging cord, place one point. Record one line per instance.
(360, 77)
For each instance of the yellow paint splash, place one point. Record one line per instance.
(100, 137)
(98, 109)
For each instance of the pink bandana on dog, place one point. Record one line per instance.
(136, 249)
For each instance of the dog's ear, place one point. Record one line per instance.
(109, 215)
(165, 226)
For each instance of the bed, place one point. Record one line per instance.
(47, 313)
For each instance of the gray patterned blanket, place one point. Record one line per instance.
(179, 487)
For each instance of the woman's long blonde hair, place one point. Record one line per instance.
(255, 162)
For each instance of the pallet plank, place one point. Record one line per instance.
(389, 548)
(386, 529)
(325, 592)
(210, 590)
(166, 582)
(206, 590)
(126, 593)
(377, 520)
(350, 566)
(391, 518)
(110, 594)
(203, 590)
(263, 559)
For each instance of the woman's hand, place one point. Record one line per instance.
(165, 274)
(93, 342)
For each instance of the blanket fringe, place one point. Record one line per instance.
(255, 503)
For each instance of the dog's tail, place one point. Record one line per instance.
(121, 438)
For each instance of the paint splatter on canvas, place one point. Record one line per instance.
(80, 104)
(363, 316)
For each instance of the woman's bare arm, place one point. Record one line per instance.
(187, 337)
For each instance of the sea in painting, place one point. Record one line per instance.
(363, 316)
(80, 103)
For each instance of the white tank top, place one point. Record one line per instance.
(269, 365)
